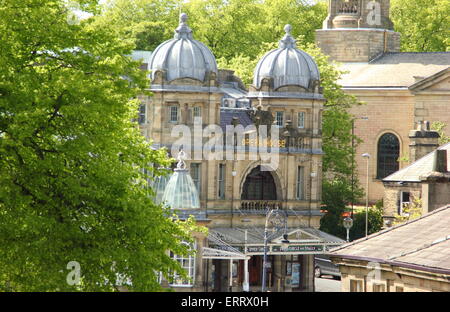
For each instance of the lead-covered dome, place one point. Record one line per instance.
(287, 65)
(182, 56)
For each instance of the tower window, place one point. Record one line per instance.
(348, 6)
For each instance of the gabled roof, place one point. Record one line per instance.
(394, 70)
(421, 244)
(431, 80)
(421, 167)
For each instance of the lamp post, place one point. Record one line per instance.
(367, 156)
(353, 155)
(348, 223)
(278, 219)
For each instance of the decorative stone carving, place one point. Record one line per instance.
(348, 6)
(262, 117)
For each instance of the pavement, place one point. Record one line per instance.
(327, 284)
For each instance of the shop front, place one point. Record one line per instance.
(288, 268)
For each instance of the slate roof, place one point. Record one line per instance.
(143, 56)
(421, 243)
(394, 70)
(227, 114)
(421, 167)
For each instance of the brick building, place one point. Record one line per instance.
(399, 89)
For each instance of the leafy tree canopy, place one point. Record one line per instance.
(70, 184)
(423, 24)
(229, 28)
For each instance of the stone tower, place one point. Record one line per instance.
(357, 30)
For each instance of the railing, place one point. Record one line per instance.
(259, 205)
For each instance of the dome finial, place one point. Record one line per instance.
(288, 41)
(183, 18)
(183, 31)
(288, 29)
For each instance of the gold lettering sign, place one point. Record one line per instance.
(265, 142)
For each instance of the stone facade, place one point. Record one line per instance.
(397, 89)
(359, 276)
(410, 257)
(357, 45)
(235, 193)
(357, 31)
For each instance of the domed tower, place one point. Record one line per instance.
(182, 57)
(286, 92)
(357, 30)
(184, 85)
(287, 69)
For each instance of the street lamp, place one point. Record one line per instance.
(367, 156)
(353, 155)
(348, 223)
(278, 219)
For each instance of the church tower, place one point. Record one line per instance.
(357, 30)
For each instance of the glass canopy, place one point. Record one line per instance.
(180, 191)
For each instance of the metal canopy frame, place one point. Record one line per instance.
(212, 253)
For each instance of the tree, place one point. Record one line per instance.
(374, 222)
(70, 184)
(409, 212)
(439, 126)
(423, 24)
(230, 28)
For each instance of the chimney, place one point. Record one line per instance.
(440, 161)
(423, 141)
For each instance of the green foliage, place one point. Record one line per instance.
(439, 126)
(374, 218)
(410, 212)
(70, 184)
(337, 193)
(423, 24)
(232, 28)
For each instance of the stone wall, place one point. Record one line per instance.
(357, 45)
(389, 278)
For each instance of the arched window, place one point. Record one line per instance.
(259, 185)
(388, 154)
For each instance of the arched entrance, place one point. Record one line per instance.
(259, 185)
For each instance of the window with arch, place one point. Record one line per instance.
(259, 185)
(388, 154)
